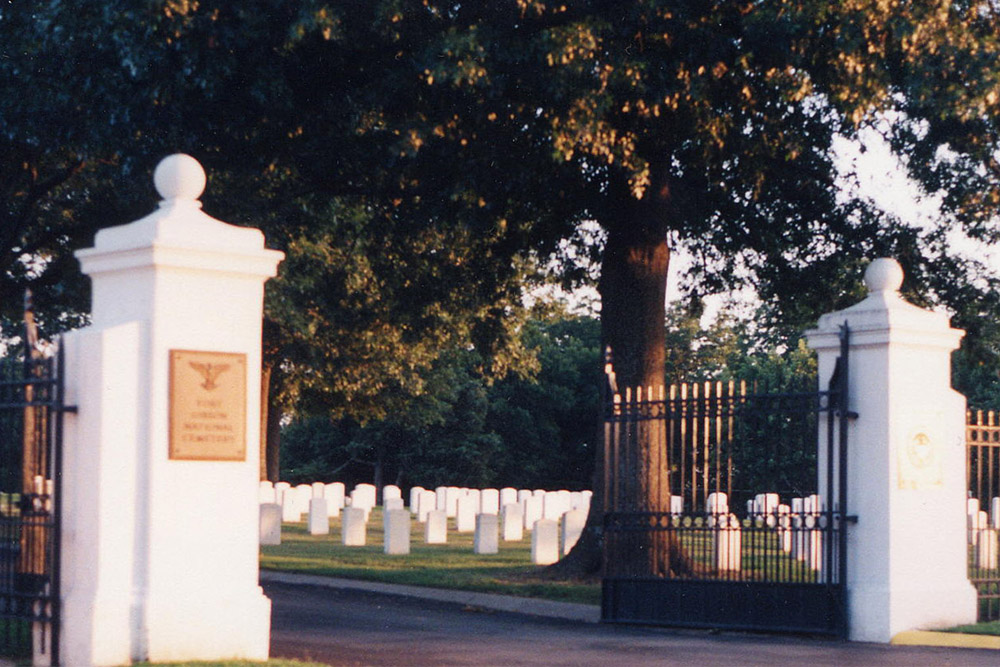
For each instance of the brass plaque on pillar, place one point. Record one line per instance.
(208, 406)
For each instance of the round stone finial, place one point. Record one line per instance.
(884, 275)
(179, 176)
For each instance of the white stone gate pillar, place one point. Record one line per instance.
(162, 458)
(906, 555)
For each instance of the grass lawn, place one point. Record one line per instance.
(989, 628)
(451, 565)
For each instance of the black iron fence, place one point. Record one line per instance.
(725, 507)
(983, 474)
(30, 453)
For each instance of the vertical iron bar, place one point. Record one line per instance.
(843, 390)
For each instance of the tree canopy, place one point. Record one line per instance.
(418, 159)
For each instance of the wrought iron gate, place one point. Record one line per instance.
(31, 408)
(721, 510)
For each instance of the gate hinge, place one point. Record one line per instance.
(850, 518)
(67, 408)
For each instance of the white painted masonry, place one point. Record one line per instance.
(160, 555)
(906, 463)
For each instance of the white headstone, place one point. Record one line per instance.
(441, 496)
(508, 495)
(291, 511)
(319, 518)
(353, 527)
(465, 514)
(334, 495)
(552, 505)
(427, 502)
(318, 490)
(532, 511)
(363, 495)
(393, 504)
(522, 494)
(727, 546)
(391, 491)
(512, 522)
(995, 513)
(718, 503)
(452, 494)
(436, 527)
(396, 528)
(676, 505)
(486, 540)
(265, 493)
(415, 492)
(270, 524)
(572, 525)
(545, 542)
(489, 501)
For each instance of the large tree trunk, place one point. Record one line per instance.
(633, 292)
(633, 288)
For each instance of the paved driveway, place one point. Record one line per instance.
(350, 627)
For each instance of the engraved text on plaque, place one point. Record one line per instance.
(208, 405)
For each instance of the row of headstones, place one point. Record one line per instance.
(794, 523)
(984, 533)
(555, 518)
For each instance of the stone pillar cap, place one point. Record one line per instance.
(179, 226)
(884, 275)
(884, 313)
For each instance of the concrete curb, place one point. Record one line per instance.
(948, 639)
(569, 611)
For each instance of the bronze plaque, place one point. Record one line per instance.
(208, 406)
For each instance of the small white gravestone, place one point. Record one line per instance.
(512, 522)
(676, 505)
(718, 503)
(476, 495)
(318, 490)
(334, 495)
(363, 495)
(396, 527)
(539, 493)
(303, 492)
(486, 537)
(985, 542)
(995, 513)
(415, 492)
(532, 511)
(270, 524)
(972, 519)
(489, 501)
(784, 528)
(508, 495)
(441, 495)
(291, 512)
(552, 505)
(522, 494)
(265, 493)
(572, 525)
(727, 547)
(353, 527)
(452, 494)
(393, 504)
(465, 514)
(319, 519)
(391, 491)
(426, 502)
(436, 527)
(280, 488)
(545, 542)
